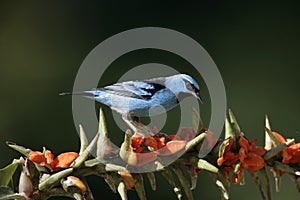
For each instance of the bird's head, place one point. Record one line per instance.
(183, 85)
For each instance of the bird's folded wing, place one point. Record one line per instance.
(134, 89)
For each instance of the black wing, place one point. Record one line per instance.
(136, 89)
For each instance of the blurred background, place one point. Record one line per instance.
(42, 45)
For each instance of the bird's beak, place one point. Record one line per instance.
(197, 96)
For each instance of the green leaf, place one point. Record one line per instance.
(277, 149)
(83, 140)
(112, 167)
(260, 185)
(223, 189)
(268, 141)
(228, 129)
(184, 182)
(111, 181)
(19, 148)
(272, 137)
(195, 141)
(52, 180)
(169, 177)
(233, 122)
(139, 186)
(265, 180)
(203, 164)
(103, 141)
(125, 147)
(223, 183)
(7, 172)
(222, 147)
(152, 180)
(86, 153)
(6, 193)
(122, 191)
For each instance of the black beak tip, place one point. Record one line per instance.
(200, 99)
(198, 96)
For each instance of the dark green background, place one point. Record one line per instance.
(42, 45)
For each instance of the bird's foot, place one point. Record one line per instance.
(137, 127)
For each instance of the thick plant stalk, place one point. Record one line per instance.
(43, 175)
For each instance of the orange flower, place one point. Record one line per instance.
(279, 137)
(136, 143)
(237, 177)
(161, 141)
(38, 157)
(63, 160)
(194, 171)
(291, 154)
(78, 183)
(171, 137)
(140, 159)
(172, 147)
(162, 144)
(251, 156)
(138, 155)
(128, 179)
(151, 142)
(177, 143)
(228, 158)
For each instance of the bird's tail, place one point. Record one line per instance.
(83, 93)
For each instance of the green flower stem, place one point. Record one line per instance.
(54, 179)
(184, 181)
(122, 190)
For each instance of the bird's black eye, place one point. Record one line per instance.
(191, 87)
(196, 90)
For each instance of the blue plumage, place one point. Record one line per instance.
(136, 98)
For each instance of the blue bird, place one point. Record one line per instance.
(137, 98)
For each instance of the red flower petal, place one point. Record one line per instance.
(172, 147)
(128, 179)
(259, 150)
(236, 178)
(244, 143)
(78, 183)
(63, 160)
(161, 141)
(37, 157)
(228, 158)
(151, 142)
(251, 156)
(279, 137)
(136, 141)
(139, 159)
(172, 137)
(253, 162)
(291, 154)
(49, 157)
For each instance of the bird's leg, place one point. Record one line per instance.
(128, 120)
(135, 119)
(135, 125)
